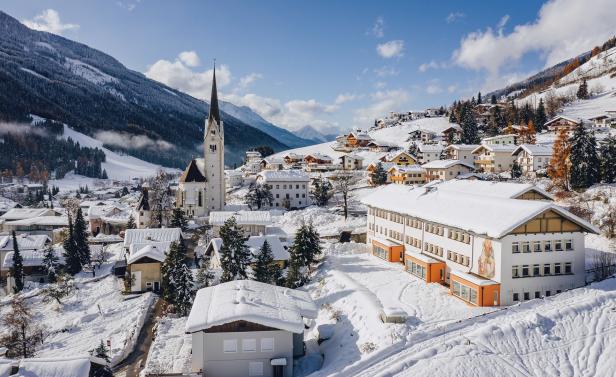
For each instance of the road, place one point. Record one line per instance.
(136, 360)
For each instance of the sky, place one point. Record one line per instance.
(334, 65)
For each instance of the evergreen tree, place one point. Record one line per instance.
(259, 195)
(71, 254)
(540, 116)
(379, 175)
(204, 275)
(608, 159)
(80, 238)
(178, 220)
(470, 133)
(104, 174)
(294, 277)
(131, 222)
(234, 253)
(50, 264)
(101, 352)
(479, 100)
(306, 246)
(582, 92)
(516, 170)
(265, 269)
(17, 271)
(321, 191)
(493, 99)
(585, 165)
(558, 167)
(177, 278)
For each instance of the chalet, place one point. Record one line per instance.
(25, 242)
(254, 243)
(33, 267)
(292, 158)
(562, 121)
(462, 152)
(354, 139)
(533, 158)
(248, 328)
(429, 152)
(372, 168)
(446, 169)
(144, 264)
(317, 158)
(422, 135)
(489, 250)
(494, 158)
(381, 146)
(253, 223)
(400, 158)
(452, 133)
(108, 219)
(290, 188)
(351, 161)
(406, 175)
(602, 121)
(272, 163)
(507, 139)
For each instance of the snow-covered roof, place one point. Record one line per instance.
(24, 241)
(278, 251)
(155, 250)
(32, 258)
(151, 235)
(498, 137)
(422, 257)
(472, 278)
(251, 301)
(6, 204)
(218, 218)
(534, 149)
(55, 367)
(568, 118)
(353, 156)
(508, 190)
(26, 213)
(479, 214)
(385, 242)
(423, 148)
(463, 147)
(392, 155)
(445, 164)
(408, 169)
(319, 156)
(105, 238)
(507, 148)
(41, 220)
(284, 176)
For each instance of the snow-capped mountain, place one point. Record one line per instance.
(310, 133)
(56, 78)
(250, 117)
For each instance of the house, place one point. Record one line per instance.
(452, 133)
(494, 158)
(406, 175)
(293, 158)
(429, 152)
(354, 139)
(446, 169)
(235, 178)
(252, 162)
(562, 121)
(462, 152)
(602, 121)
(373, 166)
(14, 214)
(381, 146)
(290, 188)
(432, 112)
(272, 163)
(400, 158)
(108, 219)
(253, 223)
(507, 190)
(317, 158)
(74, 366)
(501, 140)
(150, 235)
(489, 250)
(533, 157)
(6, 204)
(254, 243)
(144, 264)
(47, 225)
(25, 242)
(423, 135)
(351, 161)
(33, 267)
(248, 328)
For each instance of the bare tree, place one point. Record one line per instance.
(22, 334)
(604, 265)
(160, 199)
(343, 184)
(71, 205)
(607, 222)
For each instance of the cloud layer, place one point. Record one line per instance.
(130, 141)
(49, 21)
(391, 49)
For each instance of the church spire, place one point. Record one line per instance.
(214, 112)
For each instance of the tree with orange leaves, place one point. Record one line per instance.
(528, 134)
(558, 168)
(595, 51)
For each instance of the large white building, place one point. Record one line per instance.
(490, 249)
(202, 185)
(533, 157)
(290, 188)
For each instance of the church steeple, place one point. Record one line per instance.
(214, 112)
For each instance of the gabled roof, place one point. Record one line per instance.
(144, 201)
(284, 175)
(24, 241)
(497, 189)
(445, 164)
(151, 235)
(558, 117)
(33, 258)
(251, 301)
(509, 148)
(462, 147)
(27, 213)
(155, 250)
(534, 149)
(55, 367)
(218, 218)
(195, 171)
(483, 215)
(318, 156)
(393, 155)
(407, 169)
(423, 148)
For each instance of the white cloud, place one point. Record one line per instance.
(189, 58)
(386, 71)
(24, 129)
(49, 21)
(180, 76)
(502, 22)
(345, 97)
(391, 49)
(454, 16)
(382, 103)
(128, 5)
(130, 141)
(433, 88)
(563, 29)
(247, 80)
(432, 64)
(452, 88)
(378, 29)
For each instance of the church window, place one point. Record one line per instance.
(200, 199)
(212, 147)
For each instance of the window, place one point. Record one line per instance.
(525, 247)
(255, 368)
(558, 291)
(514, 271)
(525, 270)
(267, 345)
(229, 345)
(526, 296)
(568, 269)
(515, 247)
(547, 246)
(536, 270)
(546, 269)
(516, 297)
(213, 148)
(548, 293)
(277, 187)
(249, 345)
(557, 269)
(558, 245)
(284, 187)
(568, 245)
(537, 247)
(537, 294)
(297, 196)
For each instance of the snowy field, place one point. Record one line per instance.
(171, 350)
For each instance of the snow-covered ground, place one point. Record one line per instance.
(171, 350)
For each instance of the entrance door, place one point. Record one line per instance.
(495, 298)
(156, 286)
(278, 370)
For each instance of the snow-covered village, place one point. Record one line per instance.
(358, 198)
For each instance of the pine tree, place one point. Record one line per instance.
(104, 174)
(479, 100)
(585, 165)
(262, 270)
(582, 92)
(234, 253)
(305, 248)
(101, 352)
(18, 266)
(379, 175)
(493, 99)
(608, 159)
(178, 220)
(321, 191)
(50, 264)
(558, 167)
(71, 254)
(177, 281)
(516, 170)
(131, 222)
(470, 133)
(80, 238)
(204, 275)
(259, 195)
(540, 116)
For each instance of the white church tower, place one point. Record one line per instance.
(202, 185)
(214, 155)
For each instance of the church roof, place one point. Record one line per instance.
(195, 171)
(144, 201)
(214, 111)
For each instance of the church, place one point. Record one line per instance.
(202, 184)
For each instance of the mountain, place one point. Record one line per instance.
(248, 116)
(310, 133)
(56, 78)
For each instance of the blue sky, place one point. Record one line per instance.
(330, 64)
